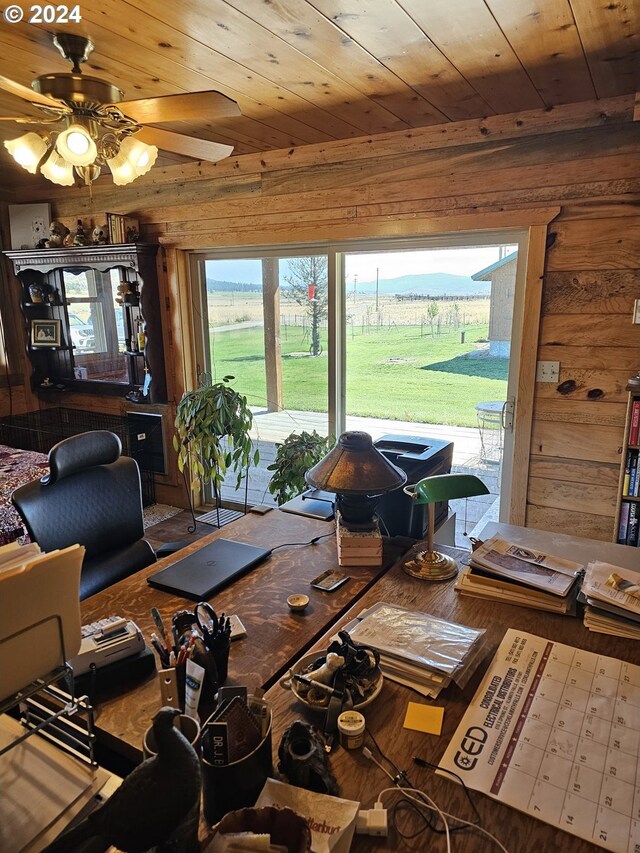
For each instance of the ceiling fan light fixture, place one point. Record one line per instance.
(57, 170)
(139, 154)
(27, 150)
(76, 145)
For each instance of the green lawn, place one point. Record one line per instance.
(391, 373)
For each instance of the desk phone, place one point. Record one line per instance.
(106, 641)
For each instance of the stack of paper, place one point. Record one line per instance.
(504, 571)
(612, 596)
(417, 649)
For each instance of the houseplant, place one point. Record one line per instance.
(212, 434)
(294, 456)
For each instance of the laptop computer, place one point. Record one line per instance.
(198, 575)
(313, 503)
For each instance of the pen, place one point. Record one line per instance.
(310, 683)
(157, 618)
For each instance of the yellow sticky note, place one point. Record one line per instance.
(424, 718)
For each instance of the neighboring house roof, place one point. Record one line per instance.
(485, 274)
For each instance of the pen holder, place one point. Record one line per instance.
(227, 787)
(173, 682)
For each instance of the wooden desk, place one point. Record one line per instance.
(275, 635)
(361, 780)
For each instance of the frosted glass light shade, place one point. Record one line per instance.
(57, 170)
(27, 150)
(76, 146)
(122, 170)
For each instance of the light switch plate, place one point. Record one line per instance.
(547, 371)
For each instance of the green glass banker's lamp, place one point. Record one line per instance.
(431, 565)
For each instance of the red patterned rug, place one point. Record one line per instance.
(16, 468)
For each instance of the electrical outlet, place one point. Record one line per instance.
(547, 371)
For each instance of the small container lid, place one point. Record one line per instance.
(351, 723)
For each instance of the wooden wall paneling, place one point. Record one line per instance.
(579, 523)
(591, 291)
(384, 29)
(572, 497)
(564, 75)
(574, 471)
(596, 386)
(610, 34)
(589, 330)
(569, 410)
(528, 337)
(596, 244)
(591, 442)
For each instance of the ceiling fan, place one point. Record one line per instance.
(87, 124)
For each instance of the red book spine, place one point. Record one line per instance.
(634, 430)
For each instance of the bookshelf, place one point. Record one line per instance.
(627, 524)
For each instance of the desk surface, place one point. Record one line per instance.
(275, 635)
(361, 780)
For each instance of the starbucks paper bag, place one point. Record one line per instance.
(332, 820)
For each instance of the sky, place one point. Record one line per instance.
(390, 264)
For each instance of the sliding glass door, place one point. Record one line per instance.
(393, 337)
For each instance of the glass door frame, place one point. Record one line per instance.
(336, 321)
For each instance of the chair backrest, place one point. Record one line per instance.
(92, 495)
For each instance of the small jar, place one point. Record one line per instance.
(351, 729)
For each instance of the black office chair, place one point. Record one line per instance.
(91, 496)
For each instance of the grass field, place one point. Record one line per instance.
(394, 372)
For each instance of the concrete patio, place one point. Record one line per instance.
(272, 427)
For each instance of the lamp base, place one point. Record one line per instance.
(431, 566)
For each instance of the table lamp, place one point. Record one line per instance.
(432, 565)
(359, 474)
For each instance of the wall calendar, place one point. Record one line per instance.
(554, 731)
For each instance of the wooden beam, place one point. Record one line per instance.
(272, 348)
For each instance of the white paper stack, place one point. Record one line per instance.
(416, 649)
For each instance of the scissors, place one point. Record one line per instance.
(210, 625)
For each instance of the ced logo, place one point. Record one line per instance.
(472, 745)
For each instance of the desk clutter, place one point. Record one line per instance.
(612, 598)
(504, 571)
(193, 656)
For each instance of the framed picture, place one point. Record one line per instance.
(29, 224)
(45, 333)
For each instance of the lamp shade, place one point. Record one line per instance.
(27, 150)
(448, 487)
(355, 467)
(57, 170)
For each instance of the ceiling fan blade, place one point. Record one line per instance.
(192, 105)
(29, 95)
(189, 146)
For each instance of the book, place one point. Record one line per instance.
(532, 568)
(634, 429)
(627, 474)
(633, 474)
(633, 525)
(624, 523)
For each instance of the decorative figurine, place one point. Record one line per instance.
(152, 803)
(57, 234)
(80, 238)
(99, 235)
(303, 760)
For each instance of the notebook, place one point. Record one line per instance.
(208, 570)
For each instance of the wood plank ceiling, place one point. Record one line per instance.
(307, 71)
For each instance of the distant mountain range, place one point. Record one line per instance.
(431, 283)
(426, 284)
